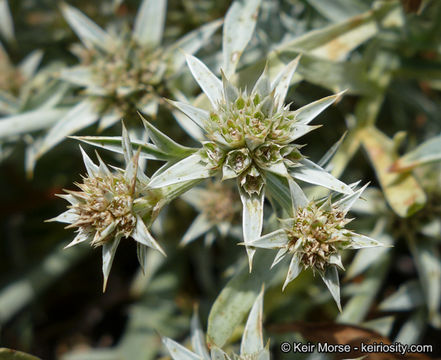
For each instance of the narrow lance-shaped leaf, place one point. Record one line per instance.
(90, 33)
(240, 22)
(190, 44)
(6, 23)
(114, 144)
(190, 168)
(142, 235)
(149, 22)
(294, 269)
(273, 240)
(428, 151)
(252, 338)
(79, 117)
(236, 299)
(209, 83)
(28, 66)
(197, 337)
(198, 227)
(198, 116)
(164, 143)
(330, 278)
(309, 112)
(314, 174)
(29, 121)
(282, 81)
(178, 352)
(252, 220)
(109, 250)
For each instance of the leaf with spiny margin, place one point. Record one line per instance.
(209, 83)
(402, 191)
(89, 33)
(149, 23)
(427, 152)
(240, 22)
(164, 143)
(192, 167)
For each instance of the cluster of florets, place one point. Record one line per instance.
(129, 65)
(249, 138)
(104, 208)
(316, 234)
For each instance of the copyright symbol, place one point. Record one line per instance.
(285, 347)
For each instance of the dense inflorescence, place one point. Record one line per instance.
(317, 234)
(104, 208)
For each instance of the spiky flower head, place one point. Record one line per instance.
(314, 237)
(121, 70)
(111, 206)
(251, 347)
(249, 135)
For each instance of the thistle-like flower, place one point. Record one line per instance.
(112, 206)
(219, 206)
(250, 134)
(251, 347)
(314, 236)
(121, 71)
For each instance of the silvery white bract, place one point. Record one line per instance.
(249, 133)
(314, 237)
(112, 206)
(121, 71)
(219, 206)
(251, 347)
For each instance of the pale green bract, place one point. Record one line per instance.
(251, 348)
(314, 236)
